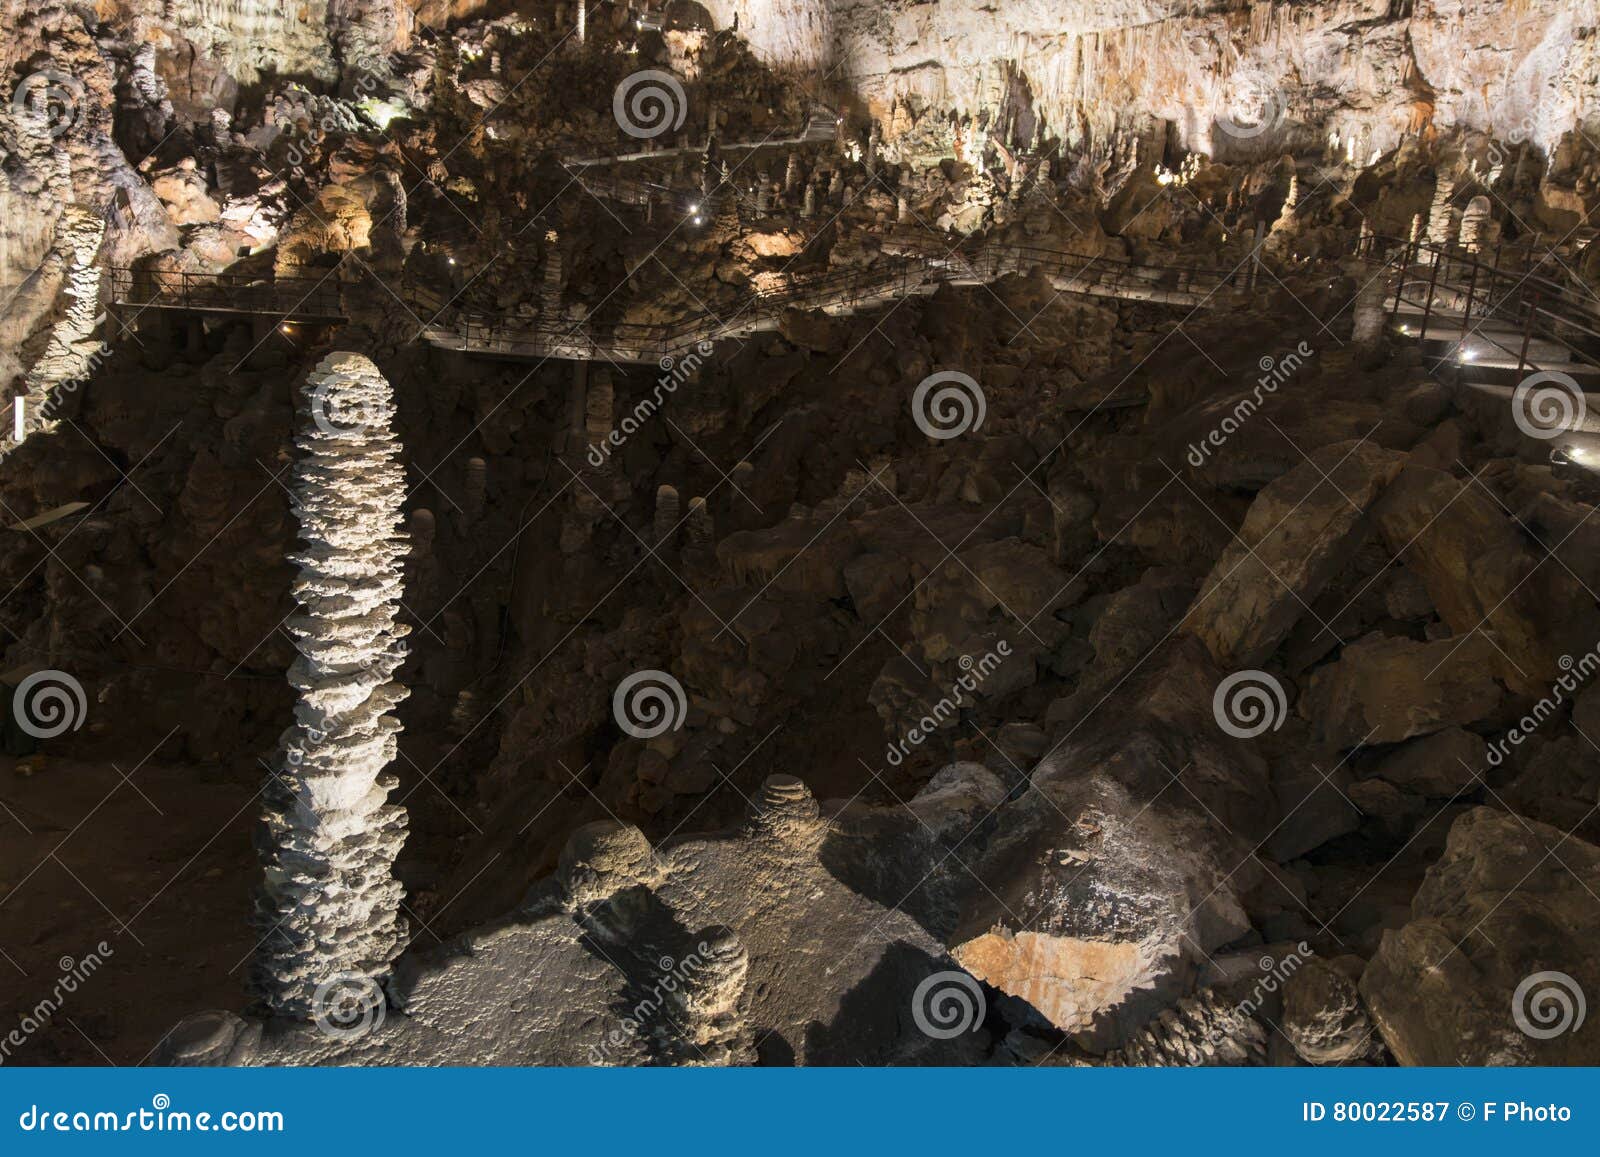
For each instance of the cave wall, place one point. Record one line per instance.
(1372, 69)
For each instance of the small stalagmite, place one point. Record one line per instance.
(1439, 214)
(666, 518)
(699, 529)
(1475, 224)
(475, 490)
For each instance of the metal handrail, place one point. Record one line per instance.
(924, 262)
(1527, 298)
(831, 289)
(289, 296)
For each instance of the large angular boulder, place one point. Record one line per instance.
(1323, 1016)
(1498, 961)
(1442, 765)
(1383, 689)
(1106, 886)
(1483, 574)
(1298, 534)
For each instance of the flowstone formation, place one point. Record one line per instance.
(329, 907)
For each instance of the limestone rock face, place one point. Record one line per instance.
(1103, 58)
(330, 904)
(1439, 765)
(1383, 690)
(1482, 574)
(1498, 960)
(1300, 530)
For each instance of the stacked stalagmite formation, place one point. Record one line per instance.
(74, 343)
(329, 903)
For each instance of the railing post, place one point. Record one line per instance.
(1527, 332)
(1400, 285)
(1466, 316)
(1427, 305)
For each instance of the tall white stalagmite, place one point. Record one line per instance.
(330, 899)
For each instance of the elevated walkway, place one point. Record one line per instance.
(1490, 322)
(306, 299)
(920, 266)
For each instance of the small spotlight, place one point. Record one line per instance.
(698, 220)
(286, 328)
(451, 260)
(694, 208)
